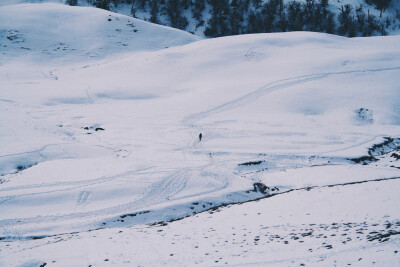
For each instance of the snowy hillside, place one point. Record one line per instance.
(100, 154)
(232, 17)
(78, 32)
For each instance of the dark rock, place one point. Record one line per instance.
(260, 187)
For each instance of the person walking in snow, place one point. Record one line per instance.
(200, 136)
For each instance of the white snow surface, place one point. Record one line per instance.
(100, 151)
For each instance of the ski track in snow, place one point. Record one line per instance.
(172, 184)
(271, 87)
(160, 192)
(83, 197)
(151, 191)
(169, 188)
(191, 120)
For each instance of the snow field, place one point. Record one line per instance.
(101, 138)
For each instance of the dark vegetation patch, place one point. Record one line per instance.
(134, 214)
(364, 114)
(387, 146)
(96, 129)
(330, 236)
(22, 238)
(21, 167)
(390, 144)
(262, 188)
(364, 160)
(38, 237)
(396, 156)
(15, 36)
(161, 223)
(383, 237)
(251, 163)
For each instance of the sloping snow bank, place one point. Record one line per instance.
(48, 31)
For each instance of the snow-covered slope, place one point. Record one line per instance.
(352, 225)
(111, 143)
(389, 18)
(49, 31)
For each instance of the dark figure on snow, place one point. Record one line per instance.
(200, 136)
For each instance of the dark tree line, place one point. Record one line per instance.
(380, 4)
(71, 2)
(275, 16)
(232, 17)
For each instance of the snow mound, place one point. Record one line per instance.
(52, 30)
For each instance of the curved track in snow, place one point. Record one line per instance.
(168, 187)
(271, 87)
